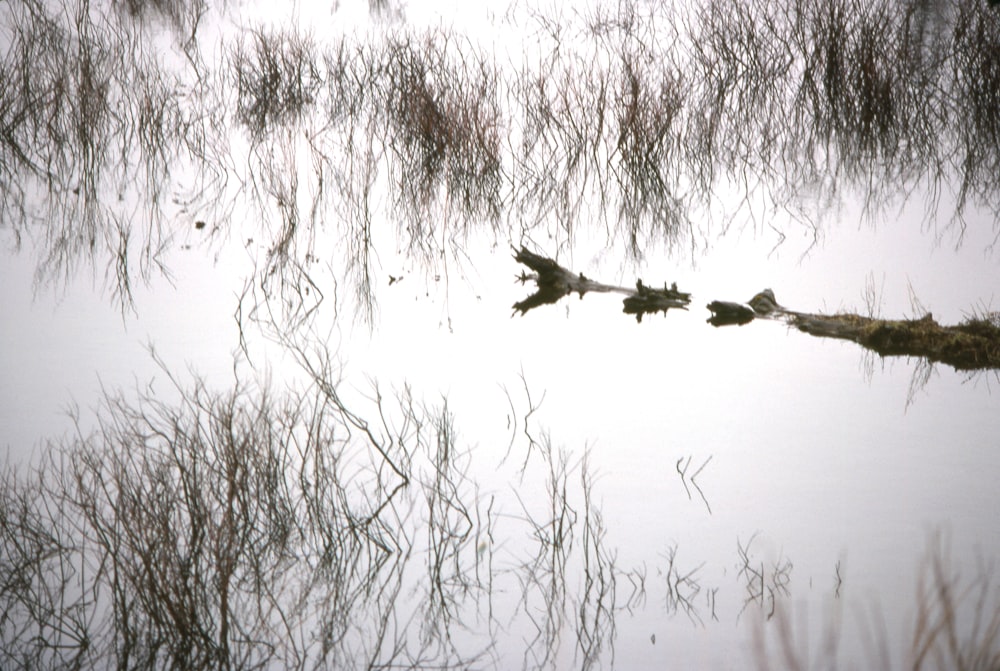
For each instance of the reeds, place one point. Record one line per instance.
(958, 621)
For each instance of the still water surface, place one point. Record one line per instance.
(825, 469)
(812, 451)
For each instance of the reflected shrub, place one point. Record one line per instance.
(637, 121)
(559, 126)
(443, 115)
(58, 96)
(976, 93)
(217, 532)
(182, 15)
(241, 529)
(859, 66)
(648, 106)
(246, 528)
(741, 70)
(276, 78)
(85, 115)
(202, 529)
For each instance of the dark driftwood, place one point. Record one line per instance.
(554, 282)
(971, 345)
(763, 304)
(648, 300)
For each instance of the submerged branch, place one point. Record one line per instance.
(554, 282)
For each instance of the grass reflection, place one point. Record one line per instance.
(764, 586)
(252, 528)
(276, 79)
(637, 120)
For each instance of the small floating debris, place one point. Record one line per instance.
(647, 300)
(725, 313)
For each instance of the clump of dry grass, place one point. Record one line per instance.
(971, 345)
(957, 624)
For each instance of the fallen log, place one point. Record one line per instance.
(553, 282)
(971, 345)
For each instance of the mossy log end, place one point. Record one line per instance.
(553, 282)
(972, 345)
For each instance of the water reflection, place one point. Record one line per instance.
(263, 526)
(256, 528)
(638, 124)
(685, 479)
(249, 528)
